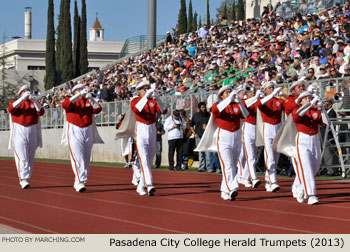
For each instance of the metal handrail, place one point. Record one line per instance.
(135, 44)
(54, 117)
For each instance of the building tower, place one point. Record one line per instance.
(96, 31)
(28, 23)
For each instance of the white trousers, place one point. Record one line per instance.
(271, 156)
(229, 148)
(136, 169)
(25, 142)
(309, 160)
(80, 142)
(247, 157)
(146, 148)
(297, 179)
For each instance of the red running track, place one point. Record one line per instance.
(184, 203)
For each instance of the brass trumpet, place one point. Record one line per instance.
(248, 89)
(338, 97)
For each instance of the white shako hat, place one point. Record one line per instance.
(302, 95)
(223, 89)
(24, 87)
(240, 88)
(142, 84)
(296, 83)
(267, 84)
(79, 85)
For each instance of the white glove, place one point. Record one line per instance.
(258, 93)
(149, 93)
(301, 111)
(83, 92)
(37, 105)
(233, 95)
(18, 102)
(276, 91)
(88, 96)
(74, 98)
(312, 88)
(315, 100)
(26, 95)
(244, 111)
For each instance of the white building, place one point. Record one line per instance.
(254, 8)
(26, 57)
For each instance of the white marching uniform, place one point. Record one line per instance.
(227, 143)
(229, 136)
(271, 156)
(271, 114)
(25, 143)
(136, 176)
(25, 133)
(80, 134)
(308, 151)
(248, 152)
(80, 142)
(309, 160)
(145, 110)
(146, 149)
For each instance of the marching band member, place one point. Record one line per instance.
(289, 105)
(227, 115)
(248, 152)
(307, 120)
(25, 135)
(145, 108)
(80, 132)
(271, 113)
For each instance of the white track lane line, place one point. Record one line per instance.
(27, 224)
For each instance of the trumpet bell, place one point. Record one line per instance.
(248, 89)
(338, 97)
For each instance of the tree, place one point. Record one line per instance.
(227, 9)
(233, 10)
(200, 22)
(66, 60)
(240, 10)
(207, 17)
(194, 22)
(76, 45)
(182, 18)
(50, 61)
(83, 40)
(59, 31)
(190, 18)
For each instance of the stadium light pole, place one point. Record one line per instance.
(152, 24)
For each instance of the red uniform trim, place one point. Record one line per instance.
(223, 164)
(138, 154)
(267, 156)
(301, 166)
(297, 167)
(71, 153)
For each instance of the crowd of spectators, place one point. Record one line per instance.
(309, 47)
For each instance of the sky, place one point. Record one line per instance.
(121, 19)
